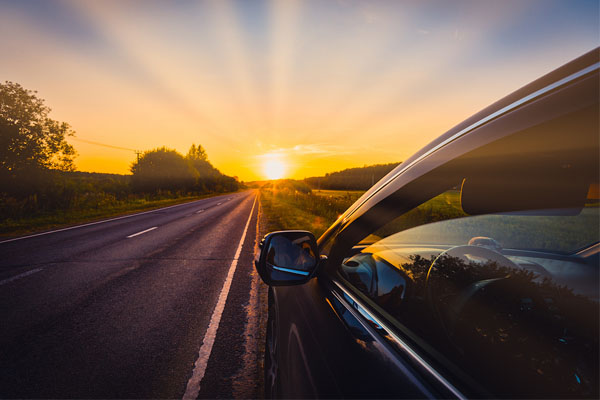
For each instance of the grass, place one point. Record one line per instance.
(339, 193)
(315, 212)
(11, 227)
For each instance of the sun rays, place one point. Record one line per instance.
(334, 84)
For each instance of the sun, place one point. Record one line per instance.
(274, 168)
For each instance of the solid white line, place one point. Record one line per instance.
(23, 275)
(99, 222)
(139, 233)
(199, 211)
(193, 385)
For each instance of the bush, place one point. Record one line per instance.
(162, 169)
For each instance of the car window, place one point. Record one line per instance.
(516, 321)
(441, 221)
(505, 302)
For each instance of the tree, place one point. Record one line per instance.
(209, 179)
(166, 169)
(198, 159)
(29, 139)
(197, 153)
(361, 178)
(162, 169)
(207, 174)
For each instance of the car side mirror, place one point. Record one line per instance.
(287, 258)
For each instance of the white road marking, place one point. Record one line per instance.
(98, 222)
(219, 204)
(193, 385)
(139, 233)
(23, 275)
(199, 211)
(241, 389)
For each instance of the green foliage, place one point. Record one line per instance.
(166, 170)
(96, 205)
(31, 143)
(162, 169)
(440, 208)
(74, 197)
(292, 209)
(208, 178)
(39, 189)
(197, 153)
(351, 178)
(28, 137)
(66, 190)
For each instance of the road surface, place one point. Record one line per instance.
(162, 304)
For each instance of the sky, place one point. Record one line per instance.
(309, 87)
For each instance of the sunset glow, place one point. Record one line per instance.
(325, 85)
(274, 168)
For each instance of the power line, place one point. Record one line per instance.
(104, 145)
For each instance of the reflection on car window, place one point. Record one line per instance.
(507, 302)
(376, 278)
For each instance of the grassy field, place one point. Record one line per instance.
(19, 226)
(315, 212)
(339, 193)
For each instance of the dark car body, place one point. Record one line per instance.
(336, 330)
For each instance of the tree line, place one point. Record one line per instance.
(37, 170)
(361, 178)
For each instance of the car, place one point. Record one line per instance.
(470, 270)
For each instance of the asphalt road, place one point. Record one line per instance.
(125, 308)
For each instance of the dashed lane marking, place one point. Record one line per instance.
(23, 275)
(142, 232)
(98, 222)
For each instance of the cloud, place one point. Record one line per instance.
(318, 149)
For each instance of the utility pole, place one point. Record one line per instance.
(137, 153)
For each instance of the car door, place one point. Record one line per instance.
(332, 347)
(401, 306)
(481, 274)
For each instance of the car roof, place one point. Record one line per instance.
(583, 65)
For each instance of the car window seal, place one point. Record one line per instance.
(587, 250)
